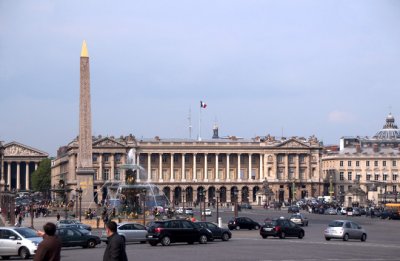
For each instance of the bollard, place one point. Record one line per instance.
(219, 222)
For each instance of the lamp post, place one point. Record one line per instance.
(31, 207)
(218, 195)
(235, 194)
(144, 206)
(204, 207)
(79, 192)
(183, 200)
(200, 202)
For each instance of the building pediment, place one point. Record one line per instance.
(15, 149)
(108, 142)
(292, 143)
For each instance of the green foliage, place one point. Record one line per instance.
(41, 178)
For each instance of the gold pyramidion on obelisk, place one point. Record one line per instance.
(85, 171)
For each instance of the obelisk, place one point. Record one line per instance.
(85, 171)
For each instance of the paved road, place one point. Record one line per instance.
(383, 244)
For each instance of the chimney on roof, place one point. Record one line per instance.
(215, 132)
(358, 148)
(376, 147)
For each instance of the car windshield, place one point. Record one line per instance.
(26, 232)
(295, 216)
(336, 224)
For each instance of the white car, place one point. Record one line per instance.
(189, 211)
(18, 241)
(180, 210)
(207, 212)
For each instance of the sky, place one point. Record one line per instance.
(291, 68)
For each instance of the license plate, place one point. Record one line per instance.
(149, 236)
(267, 229)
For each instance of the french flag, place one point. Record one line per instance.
(203, 105)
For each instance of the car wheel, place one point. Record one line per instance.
(327, 238)
(152, 243)
(346, 237)
(91, 243)
(301, 234)
(24, 253)
(237, 227)
(257, 227)
(264, 236)
(282, 235)
(225, 237)
(166, 241)
(203, 239)
(363, 237)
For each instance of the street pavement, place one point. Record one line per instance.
(383, 243)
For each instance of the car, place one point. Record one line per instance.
(356, 212)
(72, 237)
(342, 211)
(243, 222)
(349, 211)
(331, 211)
(299, 219)
(345, 230)
(18, 241)
(246, 206)
(179, 210)
(217, 232)
(130, 232)
(282, 228)
(293, 209)
(73, 224)
(189, 211)
(177, 230)
(207, 212)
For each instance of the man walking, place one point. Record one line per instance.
(49, 249)
(115, 250)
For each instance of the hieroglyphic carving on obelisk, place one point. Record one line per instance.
(85, 171)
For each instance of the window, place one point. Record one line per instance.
(164, 158)
(385, 176)
(105, 157)
(341, 163)
(376, 176)
(301, 158)
(280, 158)
(349, 176)
(394, 188)
(341, 176)
(291, 159)
(394, 177)
(106, 174)
(349, 163)
(94, 158)
(357, 163)
(95, 175)
(368, 177)
(384, 163)
(367, 163)
(118, 158)
(176, 158)
(116, 174)
(376, 163)
(394, 163)
(358, 177)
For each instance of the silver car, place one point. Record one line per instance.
(18, 241)
(299, 219)
(345, 229)
(131, 232)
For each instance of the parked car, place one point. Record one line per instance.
(243, 222)
(349, 211)
(18, 241)
(345, 229)
(342, 211)
(130, 232)
(331, 211)
(299, 219)
(207, 212)
(189, 211)
(179, 210)
(73, 224)
(217, 232)
(356, 212)
(293, 209)
(281, 228)
(180, 230)
(71, 237)
(246, 206)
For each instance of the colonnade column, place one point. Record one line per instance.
(309, 166)
(9, 175)
(216, 167)
(249, 177)
(287, 166)
(160, 177)
(298, 166)
(138, 163)
(239, 178)
(26, 175)
(112, 176)
(172, 178)
(194, 167)
(2, 169)
(148, 166)
(276, 167)
(18, 176)
(228, 172)
(205, 167)
(183, 168)
(261, 176)
(100, 174)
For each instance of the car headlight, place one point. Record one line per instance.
(35, 243)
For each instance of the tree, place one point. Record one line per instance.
(41, 178)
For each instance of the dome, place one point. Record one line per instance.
(389, 130)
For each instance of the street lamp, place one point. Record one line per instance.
(144, 206)
(200, 201)
(79, 193)
(218, 195)
(235, 194)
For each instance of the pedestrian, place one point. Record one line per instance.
(58, 217)
(49, 249)
(115, 249)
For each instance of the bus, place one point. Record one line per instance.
(393, 206)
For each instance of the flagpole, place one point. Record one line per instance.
(199, 124)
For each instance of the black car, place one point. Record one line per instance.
(245, 206)
(217, 232)
(243, 222)
(180, 230)
(293, 209)
(281, 228)
(71, 237)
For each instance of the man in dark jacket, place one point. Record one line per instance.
(49, 249)
(115, 250)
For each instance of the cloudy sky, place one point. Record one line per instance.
(297, 68)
